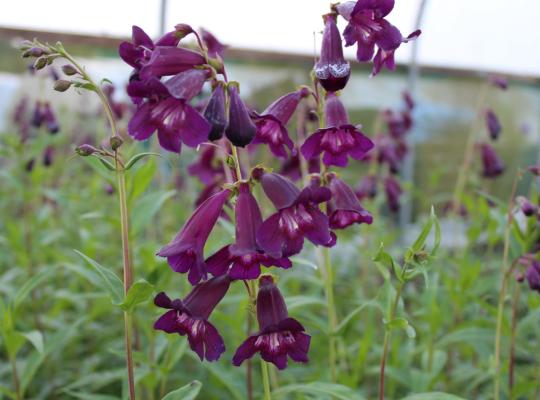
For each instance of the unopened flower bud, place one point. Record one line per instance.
(115, 142)
(33, 52)
(85, 150)
(182, 30)
(62, 85)
(40, 63)
(526, 206)
(69, 70)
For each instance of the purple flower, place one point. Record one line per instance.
(390, 151)
(493, 125)
(190, 317)
(185, 252)
(498, 81)
(399, 123)
(50, 119)
(297, 216)
(367, 187)
(332, 71)
(279, 335)
(207, 168)
(409, 101)
(339, 139)
(37, 115)
(491, 163)
(244, 258)
(368, 28)
(174, 119)
(48, 156)
(241, 130)
(393, 191)
(215, 112)
(272, 121)
(344, 209)
(291, 167)
(533, 275)
(166, 61)
(527, 208)
(214, 46)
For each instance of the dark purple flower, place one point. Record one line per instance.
(393, 191)
(527, 208)
(174, 119)
(339, 139)
(399, 123)
(190, 317)
(279, 335)
(37, 115)
(344, 209)
(271, 123)
(533, 275)
(493, 125)
(207, 168)
(215, 47)
(534, 169)
(185, 252)
(29, 166)
(241, 130)
(368, 28)
(50, 119)
(332, 70)
(491, 163)
(498, 81)
(166, 61)
(215, 112)
(367, 188)
(48, 156)
(243, 259)
(117, 108)
(408, 99)
(297, 216)
(291, 167)
(390, 151)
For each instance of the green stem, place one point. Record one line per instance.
(266, 380)
(332, 318)
(237, 163)
(16, 382)
(511, 358)
(387, 341)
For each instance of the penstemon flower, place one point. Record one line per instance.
(215, 112)
(344, 209)
(393, 191)
(491, 163)
(207, 169)
(493, 125)
(214, 46)
(241, 130)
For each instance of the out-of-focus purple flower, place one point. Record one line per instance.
(271, 123)
(214, 46)
(498, 81)
(185, 252)
(117, 107)
(291, 167)
(19, 113)
(332, 70)
(279, 335)
(29, 166)
(37, 114)
(533, 275)
(491, 163)
(369, 29)
(109, 189)
(409, 101)
(534, 169)
(50, 119)
(393, 191)
(48, 156)
(243, 259)
(451, 208)
(215, 112)
(344, 209)
(367, 188)
(207, 168)
(174, 119)
(493, 125)
(526, 206)
(190, 317)
(399, 123)
(390, 151)
(297, 216)
(339, 139)
(241, 129)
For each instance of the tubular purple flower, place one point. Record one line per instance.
(279, 335)
(185, 252)
(167, 60)
(533, 275)
(491, 163)
(187, 84)
(243, 259)
(50, 119)
(271, 123)
(190, 317)
(37, 115)
(291, 166)
(215, 112)
(241, 130)
(297, 216)
(527, 208)
(339, 139)
(208, 169)
(214, 46)
(393, 191)
(344, 209)
(367, 187)
(332, 70)
(493, 125)
(48, 156)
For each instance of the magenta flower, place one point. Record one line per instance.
(499, 81)
(279, 335)
(393, 192)
(491, 163)
(399, 123)
(215, 112)
(271, 123)
(185, 252)
(367, 188)
(332, 70)
(493, 125)
(368, 29)
(297, 216)
(291, 166)
(339, 139)
(390, 151)
(344, 209)
(214, 46)
(533, 275)
(207, 168)
(241, 130)
(243, 259)
(190, 317)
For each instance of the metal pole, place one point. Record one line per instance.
(162, 16)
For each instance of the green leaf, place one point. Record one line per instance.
(345, 322)
(30, 285)
(339, 392)
(401, 323)
(188, 392)
(106, 163)
(145, 209)
(141, 179)
(133, 160)
(90, 396)
(385, 259)
(112, 283)
(433, 396)
(138, 293)
(421, 239)
(13, 341)
(36, 338)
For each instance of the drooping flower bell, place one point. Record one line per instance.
(215, 112)
(344, 209)
(493, 125)
(169, 60)
(369, 29)
(527, 208)
(190, 317)
(241, 130)
(37, 114)
(185, 252)
(49, 118)
(292, 169)
(393, 191)
(298, 216)
(279, 335)
(339, 140)
(367, 187)
(271, 123)
(533, 275)
(207, 168)
(491, 163)
(332, 70)
(48, 156)
(214, 46)
(243, 259)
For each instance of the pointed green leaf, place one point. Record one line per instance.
(30, 285)
(433, 396)
(339, 392)
(145, 209)
(133, 160)
(13, 341)
(188, 392)
(386, 260)
(138, 293)
(36, 338)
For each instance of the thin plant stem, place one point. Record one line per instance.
(505, 274)
(16, 382)
(266, 380)
(237, 163)
(387, 342)
(511, 357)
(250, 286)
(332, 318)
